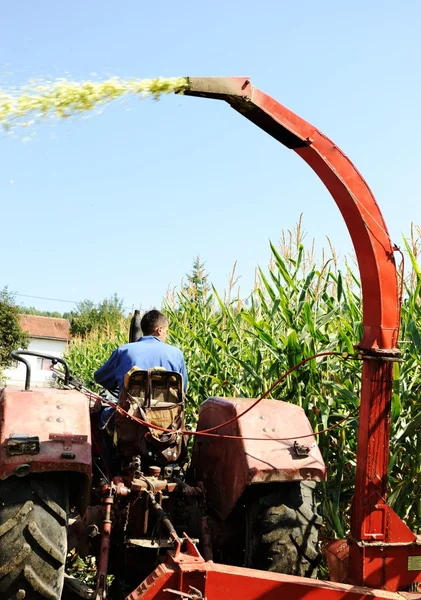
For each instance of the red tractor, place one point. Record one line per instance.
(238, 519)
(142, 498)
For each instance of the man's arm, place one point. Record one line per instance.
(105, 375)
(183, 371)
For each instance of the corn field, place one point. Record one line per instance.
(299, 306)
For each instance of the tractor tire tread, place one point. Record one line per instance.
(38, 584)
(33, 513)
(55, 509)
(46, 544)
(20, 516)
(282, 530)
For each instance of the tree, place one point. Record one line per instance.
(88, 317)
(12, 336)
(31, 310)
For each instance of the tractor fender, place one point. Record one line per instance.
(226, 467)
(47, 430)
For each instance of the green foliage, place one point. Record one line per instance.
(197, 288)
(31, 310)
(85, 569)
(86, 354)
(105, 316)
(96, 331)
(11, 335)
(299, 306)
(239, 348)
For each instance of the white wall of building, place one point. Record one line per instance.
(40, 375)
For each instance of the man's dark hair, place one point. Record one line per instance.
(152, 320)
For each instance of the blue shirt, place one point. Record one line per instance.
(148, 352)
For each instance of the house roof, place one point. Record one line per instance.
(45, 327)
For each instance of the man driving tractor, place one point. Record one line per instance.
(147, 352)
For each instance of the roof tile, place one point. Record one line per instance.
(45, 327)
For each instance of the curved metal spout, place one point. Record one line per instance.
(351, 193)
(373, 521)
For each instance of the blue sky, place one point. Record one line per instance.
(124, 201)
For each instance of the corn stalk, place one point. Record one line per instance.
(299, 306)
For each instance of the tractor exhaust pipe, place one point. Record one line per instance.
(135, 328)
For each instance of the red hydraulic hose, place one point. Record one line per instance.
(209, 432)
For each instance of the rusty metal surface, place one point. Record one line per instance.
(218, 87)
(336, 553)
(104, 551)
(228, 466)
(60, 418)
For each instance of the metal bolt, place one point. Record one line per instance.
(59, 406)
(59, 419)
(49, 419)
(92, 531)
(274, 429)
(264, 429)
(154, 471)
(22, 470)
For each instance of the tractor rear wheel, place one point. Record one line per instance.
(33, 537)
(282, 529)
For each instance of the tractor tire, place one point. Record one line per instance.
(282, 529)
(33, 537)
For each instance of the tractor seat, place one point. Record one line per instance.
(158, 395)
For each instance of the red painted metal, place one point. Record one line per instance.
(102, 571)
(251, 461)
(385, 565)
(351, 193)
(374, 558)
(187, 575)
(336, 553)
(60, 418)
